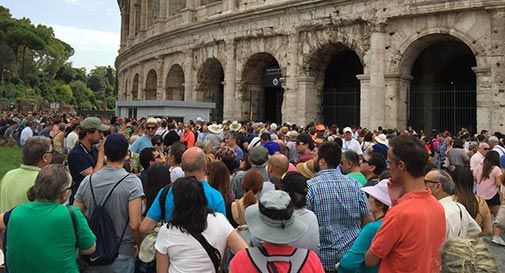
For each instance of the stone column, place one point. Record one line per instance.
(497, 75)
(188, 76)
(163, 10)
(230, 102)
(160, 88)
(142, 89)
(290, 102)
(396, 100)
(188, 13)
(365, 100)
(131, 34)
(308, 101)
(485, 99)
(229, 6)
(144, 12)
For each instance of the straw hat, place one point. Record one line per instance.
(235, 126)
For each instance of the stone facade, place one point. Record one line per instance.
(217, 51)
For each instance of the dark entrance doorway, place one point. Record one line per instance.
(273, 94)
(443, 91)
(341, 92)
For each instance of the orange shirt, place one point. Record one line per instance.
(411, 235)
(189, 138)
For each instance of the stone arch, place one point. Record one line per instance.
(135, 87)
(151, 84)
(333, 69)
(261, 88)
(442, 92)
(210, 87)
(154, 11)
(175, 83)
(175, 6)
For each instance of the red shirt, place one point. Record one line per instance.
(189, 138)
(242, 264)
(411, 235)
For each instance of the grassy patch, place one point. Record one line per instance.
(10, 158)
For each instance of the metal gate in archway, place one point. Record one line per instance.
(443, 107)
(341, 105)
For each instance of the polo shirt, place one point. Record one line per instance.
(80, 159)
(215, 202)
(140, 144)
(15, 184)
(242, 263)
(411, 235)
(41, 238)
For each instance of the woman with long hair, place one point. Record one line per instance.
(158, 176)
(488, 176)
(252, 184)
(220, 179)
(475, 205)
(42, 235)
(178, 249)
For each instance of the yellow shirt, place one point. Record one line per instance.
(15, 184)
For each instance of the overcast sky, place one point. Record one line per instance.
(91, 27)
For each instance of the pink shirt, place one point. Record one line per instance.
(487, 188)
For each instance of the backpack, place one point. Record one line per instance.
(100, 222)
(266, 263)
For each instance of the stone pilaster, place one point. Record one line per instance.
(365, 100)
(188, 13)
(289, 104)
(485, 99)
(163, 9)
(142, 89)
(229, 107)
(160, 88)
(308, 101)
(373, 102)
(131, 34)
(188, 76)
(396, 100)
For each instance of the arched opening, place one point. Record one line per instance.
(175, 83)
(175, 6)
(211, 88)
(135, 87)
(151, 83)
(138, 14)
(154, 11)
(443, 89)
(262, 88)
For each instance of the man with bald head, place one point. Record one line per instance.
(278, 165)
(478, 157)
(193, 164)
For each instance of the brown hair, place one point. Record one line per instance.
(219, 179)
(50, 183)
(252, 183)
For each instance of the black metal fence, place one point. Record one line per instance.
(443, 107)
(341, 105)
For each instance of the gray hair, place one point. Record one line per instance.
(51, 181)
(35, 148)
(445, 181)
(493, 139)
(352, 157)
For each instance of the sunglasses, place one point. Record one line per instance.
(157, 144)
(486, 149)
(431, 181)
(151, 128)
(365, 161)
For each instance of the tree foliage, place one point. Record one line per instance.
(35, 64)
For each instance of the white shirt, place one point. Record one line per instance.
(176, 172)
(71, 140)
(458, 221)
(475, 160)
(160, 131)
(186, 254)
(499, 149)
(25, 135)
(352, 145)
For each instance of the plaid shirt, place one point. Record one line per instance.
(339, 205)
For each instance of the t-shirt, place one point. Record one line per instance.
(25, 135)
(240, 153)
(354, 259)
(117, 204)
(140, 144)
(486, 188)
(15, 184)
(80, 159)
(411, 235)
(241, 263)
(502, 161)
(176, 172)
(457, 157)
(41, 238)
(188, 138)
(358, 177)
(215, 202)
(186, 254)
(72, 138)
(351, 145)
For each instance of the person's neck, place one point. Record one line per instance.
(198, 175)
(412, 184)
(86, 143)
(355, 170)
(117, 165)
(348, 139)
(274, 176)
(441, 195)
(41, 164)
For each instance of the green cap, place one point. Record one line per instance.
(94, 123)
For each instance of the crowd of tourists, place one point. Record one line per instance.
(156, 195)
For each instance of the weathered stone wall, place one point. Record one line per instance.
(302, 36)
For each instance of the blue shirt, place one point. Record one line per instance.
(215, 202)
(240, 153)
(140, 144)
(339, 205)
(354, 260)
(502, 161)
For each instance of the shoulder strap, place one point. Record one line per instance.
(74, 222)
(262, 262)
(460, 219)
(213, 253)
(163, 199)
(113, 188)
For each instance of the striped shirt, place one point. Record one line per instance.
(339, 205)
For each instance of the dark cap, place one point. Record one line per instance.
(94, 123)
(306, 138)
(116, 144)
(294, 182)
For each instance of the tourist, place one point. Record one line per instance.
(494, 145)
(258, 157)
(475, 205)
(304, 147)
(181, 243)
(42, 235)
(478, 157)
(367, 144)
(27, 133)
(459, 223)
(146, 158)
(457, 155)
(188, 137)
(488, 177)
(145, 141)
(193, 164)
(59, 138)
(252, 184)
(72, 138)
(372, 166)
(158, 176)
(170, 137)
(162, 131)
(261, 140)
(381, 145)
(85, 159)
(349, 143)
(230, 140)
(349, 164)
(291, 145)
(220, 179)
(174, 160)
(121, 194)
(467, 255)
(214, 136)
(37, 153)
(378, 204)
(339, 223)
(414, 226)
(277, 166)
(274, 222)
(306, 169)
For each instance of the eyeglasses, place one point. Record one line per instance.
(431, 181)
(157, 144)
(150, 128)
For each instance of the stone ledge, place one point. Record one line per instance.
(166, 103)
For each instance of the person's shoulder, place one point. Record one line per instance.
(241, 261)
(11, 174)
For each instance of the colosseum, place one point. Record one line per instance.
(396, 63)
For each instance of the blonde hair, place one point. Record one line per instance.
(467, 255)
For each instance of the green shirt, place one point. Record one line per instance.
(358, 177)
(15, 184)
(41, 238)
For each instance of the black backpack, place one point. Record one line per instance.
(100, 222)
